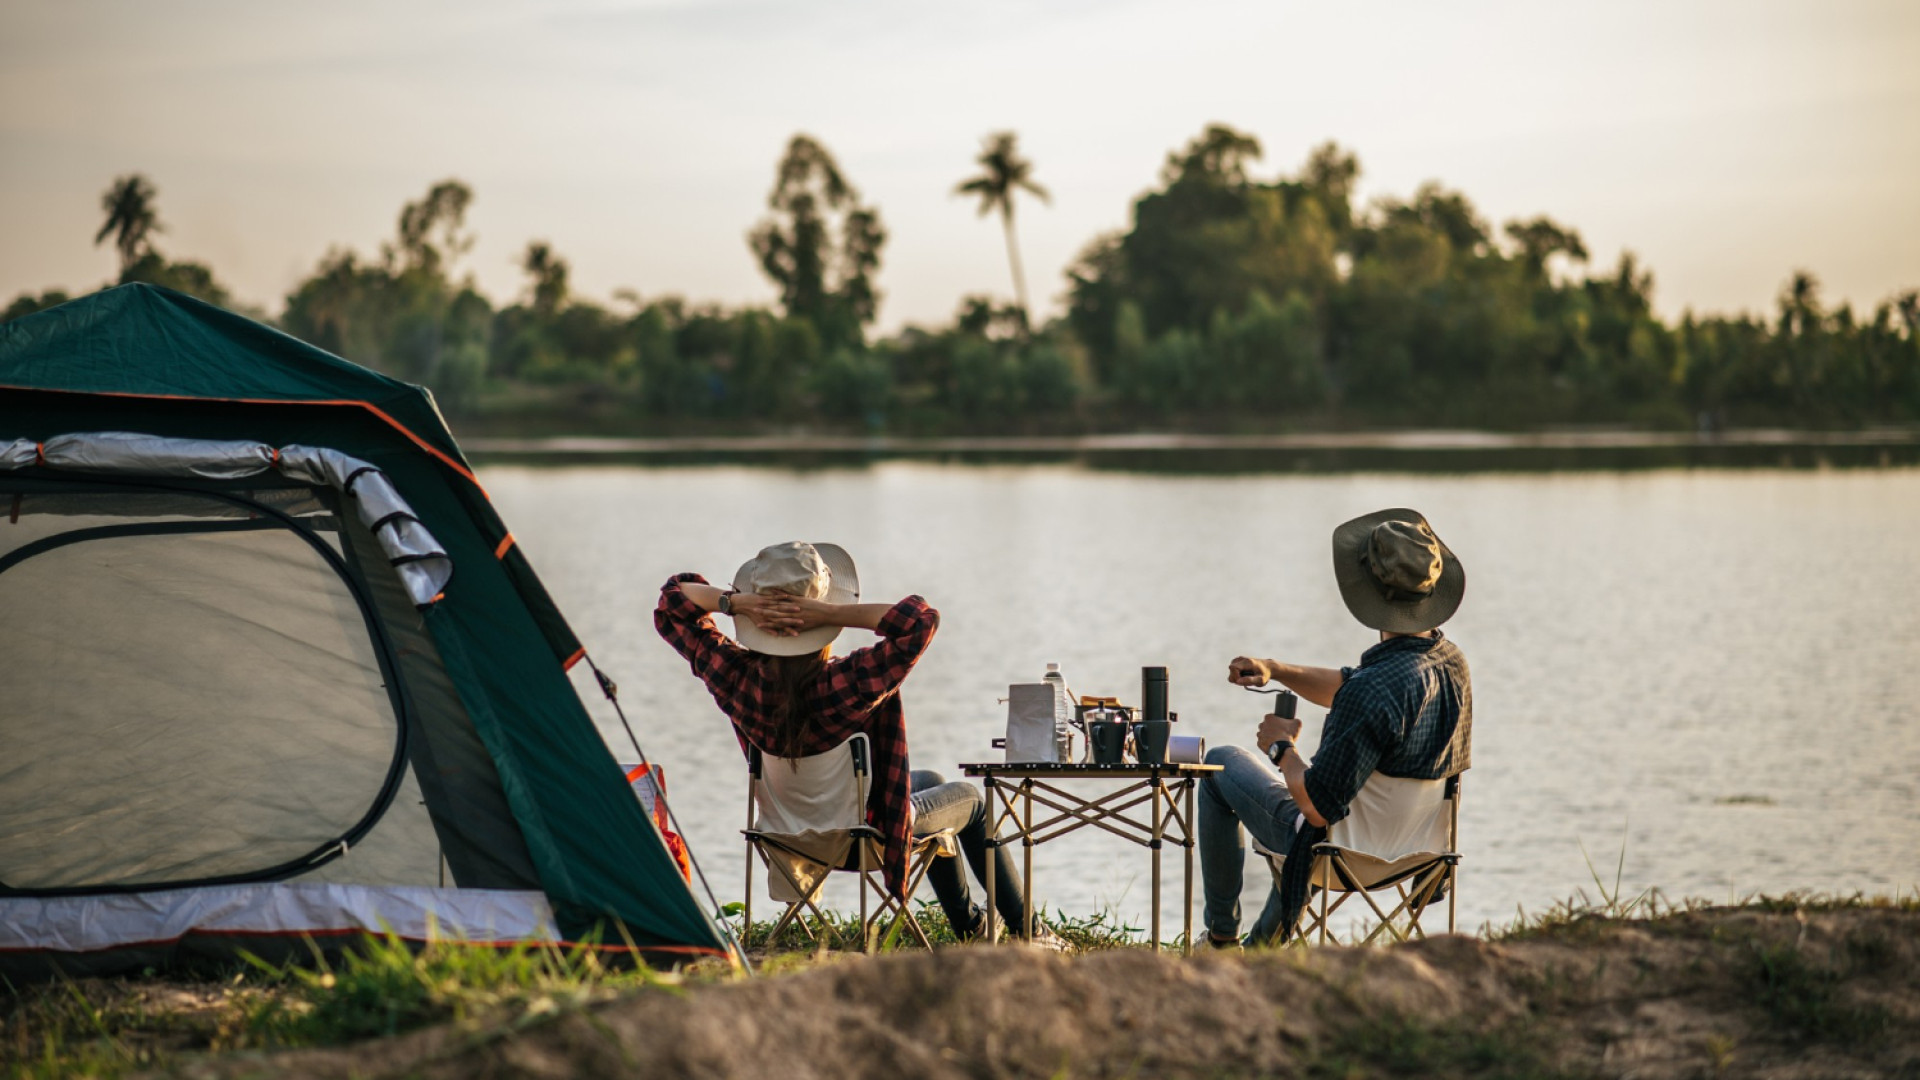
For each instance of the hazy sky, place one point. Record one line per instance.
(1727, 143)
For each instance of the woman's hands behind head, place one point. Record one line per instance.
(781, 614)
(798, 614)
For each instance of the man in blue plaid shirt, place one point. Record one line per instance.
(1406, 711)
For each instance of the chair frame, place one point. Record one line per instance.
(1416, 886)
(864, 859)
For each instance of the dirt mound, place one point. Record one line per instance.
(1745, 992)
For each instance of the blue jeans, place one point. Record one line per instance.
(962, 807)
(1248, 792)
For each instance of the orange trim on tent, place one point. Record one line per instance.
(578, 655)
(39, 453)
(506, 542)
(367, 405)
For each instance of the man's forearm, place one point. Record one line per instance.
(1316, 684)
(1294, 768)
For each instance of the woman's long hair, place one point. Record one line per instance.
(794, 677)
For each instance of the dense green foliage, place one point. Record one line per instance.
(1231, 303)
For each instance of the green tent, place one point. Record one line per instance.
(276, 668)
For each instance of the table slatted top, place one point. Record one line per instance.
(1067, 770)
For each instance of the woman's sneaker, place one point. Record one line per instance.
(978, 932)
(1044, 938)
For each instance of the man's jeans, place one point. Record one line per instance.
(962, 807)
(1248, 791)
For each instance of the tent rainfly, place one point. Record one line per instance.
(277, 672)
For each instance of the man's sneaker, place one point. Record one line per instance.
(1226, 944)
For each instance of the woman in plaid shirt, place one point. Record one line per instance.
(786, 693)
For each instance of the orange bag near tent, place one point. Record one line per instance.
(649, 784)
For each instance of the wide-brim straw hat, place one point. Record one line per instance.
(817, 571)
(1394, 572)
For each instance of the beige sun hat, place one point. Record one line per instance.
(815, 571)
(1395, 574)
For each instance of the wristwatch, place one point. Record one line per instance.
(1279, 750)
(725, 606)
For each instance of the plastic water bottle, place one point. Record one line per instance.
(1062, 712)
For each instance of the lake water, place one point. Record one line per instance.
(1713, 673)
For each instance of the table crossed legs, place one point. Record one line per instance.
(1169, 819)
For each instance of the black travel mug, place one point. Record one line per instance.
(1153, 694)
(1286, 705)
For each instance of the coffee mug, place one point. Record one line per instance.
(1150, 741)
(1108, 739)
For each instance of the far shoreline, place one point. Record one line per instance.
(1423, 440)
(1426, 450)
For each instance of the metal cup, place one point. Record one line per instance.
(1186, 749)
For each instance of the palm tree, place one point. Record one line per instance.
(130, 217)
(549, 274)
(1003, 173)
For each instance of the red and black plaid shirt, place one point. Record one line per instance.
(858, 692)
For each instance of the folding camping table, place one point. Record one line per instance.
(1166, 791)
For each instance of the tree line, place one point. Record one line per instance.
(1231, 302)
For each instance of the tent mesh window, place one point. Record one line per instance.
(197, 691)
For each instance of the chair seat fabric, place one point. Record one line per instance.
(1395, 827)
(808, 810)
(1393, 817)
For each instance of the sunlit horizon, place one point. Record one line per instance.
(1726, 145)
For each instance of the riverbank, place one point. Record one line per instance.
(1771, 989)
(1415, 450)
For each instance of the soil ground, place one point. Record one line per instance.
(1759, 991)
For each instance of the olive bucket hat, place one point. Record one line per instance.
(1395, 574)
(814, 571)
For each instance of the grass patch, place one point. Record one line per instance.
(385, 987)
(1103, 929)
(1809, 999)
(107, 1028)
(1394, 1045)
(1586, 916)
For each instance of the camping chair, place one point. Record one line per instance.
(1400, 835)
(808, 816)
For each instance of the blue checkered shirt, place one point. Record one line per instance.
(1406, 711)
